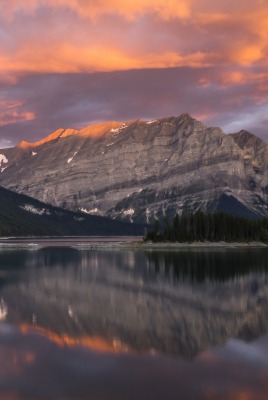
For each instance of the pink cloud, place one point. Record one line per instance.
(11, 112)
(166, 9)
(220, 50)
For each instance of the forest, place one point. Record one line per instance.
(212, 227)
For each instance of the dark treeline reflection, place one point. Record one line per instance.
(176, 266)
(14, 265)
(199, 266)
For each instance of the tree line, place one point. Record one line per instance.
(212, 227)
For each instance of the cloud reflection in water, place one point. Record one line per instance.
(35, 367)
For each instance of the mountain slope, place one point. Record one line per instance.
(138, 170)
(22, 215)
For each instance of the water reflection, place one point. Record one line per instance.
(33, 367)
(194, 265)
(176, 303)
(202, 265)
(131, 324)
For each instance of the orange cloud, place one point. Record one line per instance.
(248, 77)
(174, 33)
(65, 58)
(248, 55)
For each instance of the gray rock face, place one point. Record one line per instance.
(141, 170)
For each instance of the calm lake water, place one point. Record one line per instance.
(126, 324)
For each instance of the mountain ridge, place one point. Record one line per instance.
(93, 130)
(59, 133)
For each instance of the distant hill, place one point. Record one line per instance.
(21, 215)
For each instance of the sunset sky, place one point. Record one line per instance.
(71, 63)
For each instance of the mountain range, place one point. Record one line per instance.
(142, 170)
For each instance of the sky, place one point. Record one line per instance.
(72, 63)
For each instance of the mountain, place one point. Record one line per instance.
(140, 170)
(22, 215)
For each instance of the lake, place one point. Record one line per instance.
(132, 324)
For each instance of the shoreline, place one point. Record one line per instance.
(95, 243)
(178, 245)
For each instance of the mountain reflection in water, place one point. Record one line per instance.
(127, 324)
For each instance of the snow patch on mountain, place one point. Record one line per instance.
(118, 130)
(93, 211)
(79, 219)
(71, 158)
(129, 213)
(35, 210)
(3, 159)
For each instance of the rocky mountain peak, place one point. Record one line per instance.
(185, 116)
(186, 120)
(112, 127)
(244, 139)
(59, 133)
(104, 128)
(141, 170)
(23, 144)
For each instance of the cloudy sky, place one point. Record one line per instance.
(71, 63)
